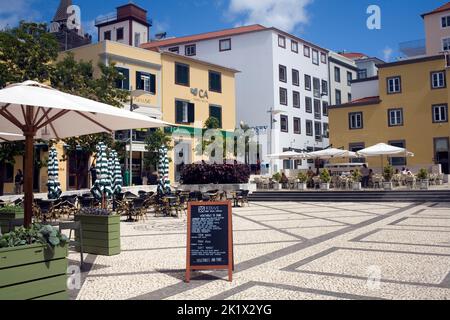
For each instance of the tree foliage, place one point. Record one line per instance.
(153, 143)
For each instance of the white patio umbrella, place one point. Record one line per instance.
(383, 149)
(332, 153)
(10, 137)
(38, 111)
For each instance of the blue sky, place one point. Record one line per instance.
(334, 24)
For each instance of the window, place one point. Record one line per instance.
(307, 82)
(326, 131)
(107, 35)
(445, 22)
(295, 77)
(124, 81)
(282, 73)
(296, 99)
(323, 58)
(309, 128)
(355, 120)
(315, 57)
(446, 44)
(337, 74)
(281, 41)
(438, 80)
(182, 74)
(395, 117)
(324, 87)
(318, 131)
(308, 104)
(137, 39)
(190, 50)
(316, 87)
(325, 108)
(440, 113)
(119, 34)
(297, 126)
(349, 97)
(394, 85)
(362, 73)
(349, 78)
(8, 174)
(294, 46)
(338, 97)
(355, 147)
(216, 112)
(398, 161)
(146, 82)
(307, 51)
(225, 45)
(317, 109)
(175, 50)
(284, 125)
(215, 81)
(283, 96)
(184, 112)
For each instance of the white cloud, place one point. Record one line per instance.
(13, 11)
(283, 14)
(387, 54)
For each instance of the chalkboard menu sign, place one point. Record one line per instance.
(209, 242)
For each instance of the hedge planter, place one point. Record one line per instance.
(7, 215)
(33, 272)
(356, 186)
(388, 186)
(325, 186)
(101, 234)
(302, 186)
(424, 184)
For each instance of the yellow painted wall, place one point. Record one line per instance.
(416, 100)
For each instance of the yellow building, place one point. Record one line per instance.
(406, 105)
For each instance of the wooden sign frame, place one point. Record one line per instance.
(230, 266)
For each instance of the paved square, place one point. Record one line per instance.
(288, 251)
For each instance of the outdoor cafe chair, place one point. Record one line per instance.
(45, 210)
(138, 208)
(78, 245)
(410, 181)
(195, 196)
(242, 197)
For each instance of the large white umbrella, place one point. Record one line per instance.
(332, 153)
(10, 137)
(383, 149)
(38, 111)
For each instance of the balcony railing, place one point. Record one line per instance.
(413, 48)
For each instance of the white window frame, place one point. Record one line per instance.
(188, 50)
(395, 117)
(447, 21)
(283, 93)
(221, 42)
(282, 41)
(443, 113)
(356, 121)
(296, 104)
(294, 46)
(445, 44)
(394, 85)
(315, 57)
(438, 78)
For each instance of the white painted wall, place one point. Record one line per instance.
(369, 65)
(365, 89)
(142, 30)
(343, 85)
(113, 28)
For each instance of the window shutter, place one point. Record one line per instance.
(179, 112)
(139, 82)
(191, 113)
(152, 83)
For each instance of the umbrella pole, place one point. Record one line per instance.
(28, 177)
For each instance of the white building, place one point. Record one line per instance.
(129, 25)
(342, 72)
(279, 72)
(367, 66)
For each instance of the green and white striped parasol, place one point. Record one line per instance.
(163, 172)
(54, 187)
(116, 171)
(102, 186)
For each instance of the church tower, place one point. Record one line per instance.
(66, 26)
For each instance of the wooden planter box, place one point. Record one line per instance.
(7, 217)
(33, 272)
(101, 234)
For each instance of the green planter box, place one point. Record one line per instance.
(101, 234)
(8, 215)
(33, 272)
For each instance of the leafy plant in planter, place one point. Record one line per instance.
(388, 173)
(423, 174)
(277, 177)
(325, 176)
(356, 176)
(11, 209)
(36, 234)
(302, 177)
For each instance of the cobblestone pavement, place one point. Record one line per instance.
(288, 251)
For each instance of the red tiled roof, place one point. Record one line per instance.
(367, 99)
(445, 7)
(203, 36)
(358, 102)
(353, 55)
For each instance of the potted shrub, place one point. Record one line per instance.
(423, 178)
(33, 264)
(356, 178)
(8, 214)
(277, 181)
(388, 173)
(325, 180)
(100, 230)
(302, 181)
